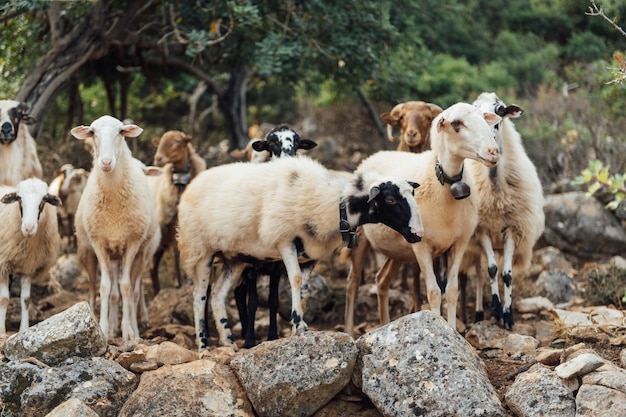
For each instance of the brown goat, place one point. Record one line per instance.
(414, 118)
(180, 163)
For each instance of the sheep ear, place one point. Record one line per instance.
(152, 171)
(389, 119)
(374, 191)
(10, 198)
(434, 109)
(413, 184)
(260, 145)
(441, 124)
(187, 138)
(307, 144)
(52, 199)
(513, 111)
(82, 132)
(155, 141)
(131, 131)
(491, 118)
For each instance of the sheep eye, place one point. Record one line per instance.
(391, 201)
(455, 124)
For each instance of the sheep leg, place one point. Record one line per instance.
(455, 257)
(25, 302)
(139, 296)
(507, 278)
(383, 279)
(201, 278)
(179, 277)
(253, 305)
(492, 269)
(231, 272)
(105, 289)
(154, 271)
(127, 288)
(289, 255)
(114, 300)
(275, 275)
(357, 258)
(4, 302)
(423, 254)
(241, 298)
(90, 262)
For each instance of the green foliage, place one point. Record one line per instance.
(597, 177)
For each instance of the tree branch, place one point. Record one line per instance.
(594, 10)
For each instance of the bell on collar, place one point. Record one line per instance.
(181, 178)
(460, 190)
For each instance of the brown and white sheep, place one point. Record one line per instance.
(180, 163)
(18, 151)
(449, 210)
(68, 184)
(115, 220)
(301, 213)
(414, 118)
(30, 240)
(511, 217)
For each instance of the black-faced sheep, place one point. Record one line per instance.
(30, 240)
(18, 152)
(449, 210)
(68, 185)
(180, 163)
(300, 213)
(511, 217)
(115, 220)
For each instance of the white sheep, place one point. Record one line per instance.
(115, 220)
(180, 163)
(68, 185)
(511, 217)
(300, 213)
(30, 240)
(18, 151)
(279, 142)
(448, 207)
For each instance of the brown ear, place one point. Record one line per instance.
(155, 141)
(187, 138)
(441, 124)
(434, 109)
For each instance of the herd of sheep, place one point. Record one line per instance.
(458, 190)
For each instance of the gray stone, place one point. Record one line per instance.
(418, 365)
(557, 286)
(579, 366)
(296, 376)
(34, 390)
(539, 392)
(199, 388)
(582, 226)
(74, 332)
(599, 401)
(486, 335)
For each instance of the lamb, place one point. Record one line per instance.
(18, 151)
(293, 217)
(449, 208)
(68, 185)
(180, 162)
(511, 217)
(115, 221)
(415, 119)
(30, 240)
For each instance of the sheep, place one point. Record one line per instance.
(293, 217)
(280, 141)
(180, 162)
(115, 220)
(448, 207)
(68, 185)
(30, 240)
(415, 119)
(511, 217)
(18, 151)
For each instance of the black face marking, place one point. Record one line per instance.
(358, 183)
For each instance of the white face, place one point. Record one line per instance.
(108, 142)
(31, 195)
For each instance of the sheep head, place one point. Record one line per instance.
(414, 118)
(32, 195)
(12, 114)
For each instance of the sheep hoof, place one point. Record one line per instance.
(496, 308)
(508, 319)
(480, 316)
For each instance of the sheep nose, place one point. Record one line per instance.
(412, 133)
(7, 128)
(29, 230)
(494, 153)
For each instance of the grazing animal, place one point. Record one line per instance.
(180, 163)
(116, 222)
(510, 211)
(300, 214)
(68, 184)
(18, 151)
(30, 240)
(415, 119)
(448, 207)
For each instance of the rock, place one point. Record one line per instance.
(418, 365)
(597, 400)
(67, 273)
(540, 392)
(72, 408)
(622, 358)
(340, 408)
(579, 366)
(582, 226)
(486, 335)
(558, 286)
(169, 353)
(296, 376)
(100, 383)
(515, 343)
(73, 332)
(199, 388)
(533, 305)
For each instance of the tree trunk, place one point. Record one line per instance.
(232, 104)
(375, 118)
